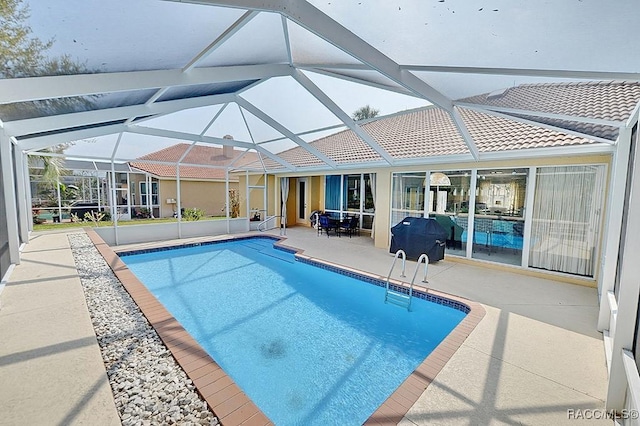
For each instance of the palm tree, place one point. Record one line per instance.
(365, 112)
(52, 166)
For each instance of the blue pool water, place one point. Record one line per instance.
(307, 345)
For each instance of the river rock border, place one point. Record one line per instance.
(148, 386)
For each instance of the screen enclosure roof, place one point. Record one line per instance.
(119, 80)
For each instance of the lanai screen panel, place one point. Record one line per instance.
(56, 106)
(120, 35)
(501, 34)
(259, 41)
(416, 39)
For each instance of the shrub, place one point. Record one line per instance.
(94, 217)
(193, 214)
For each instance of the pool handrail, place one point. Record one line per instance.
(393, 265)
(390, 292)
(283, 226)
(425, 258)
(402, 299)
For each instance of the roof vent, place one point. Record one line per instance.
(497, 93)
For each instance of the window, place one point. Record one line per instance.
(332, 192)
(143, 193)
(565, 229)
(351, 194)
(408, 196)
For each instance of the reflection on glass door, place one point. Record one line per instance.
(450, 207)
(408, 196)
(499, 215)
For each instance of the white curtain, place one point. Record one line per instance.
(284, 189)
(372, 183)
(567, 211)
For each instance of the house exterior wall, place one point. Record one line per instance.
(205, 195)
(382, 219)
(384, 179)
(272, 206)
(316, 193)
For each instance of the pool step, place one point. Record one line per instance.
(279, 254)
(258, 244)
(397, 298)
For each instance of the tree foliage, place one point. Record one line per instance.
(49, 168)
(20, 51)
(22, 54)
(365, 112)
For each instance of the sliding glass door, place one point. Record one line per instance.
(499, 215)
(567, 211)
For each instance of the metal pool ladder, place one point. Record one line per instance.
(400, 298)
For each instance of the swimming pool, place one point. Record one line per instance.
(307, 345)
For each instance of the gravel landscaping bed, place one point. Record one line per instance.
(148, 385)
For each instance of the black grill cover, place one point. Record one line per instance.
(417, 235)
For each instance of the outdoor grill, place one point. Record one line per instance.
(417, 235)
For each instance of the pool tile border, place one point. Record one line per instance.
(224, 397)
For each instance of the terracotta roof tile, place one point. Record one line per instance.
(493, 134)
(423, 133)
(607, 100)
(430, 131)
(199, 154)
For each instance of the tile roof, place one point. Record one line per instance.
(199, 154)
(430, 131)
(609, 100)
(606, 100)
(491, 134)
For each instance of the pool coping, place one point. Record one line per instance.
(224, 397)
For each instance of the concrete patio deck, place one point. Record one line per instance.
(535, 354)
(51, 370)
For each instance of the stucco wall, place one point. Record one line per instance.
(206, 195)
(132, 234)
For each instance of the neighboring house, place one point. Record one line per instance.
(540, 203)
(201, 178)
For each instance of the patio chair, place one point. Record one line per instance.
(350, 225)
(325, 223)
